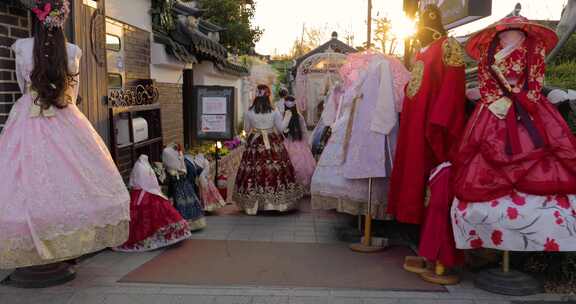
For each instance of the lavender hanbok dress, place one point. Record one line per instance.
(362, 143)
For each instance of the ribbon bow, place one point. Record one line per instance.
(43, 13)
(37, 110)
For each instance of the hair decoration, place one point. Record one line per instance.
(53, 13)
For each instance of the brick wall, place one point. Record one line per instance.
(14, 24)
(137, 53)
(172, 117)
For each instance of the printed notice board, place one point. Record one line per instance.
(214, 109)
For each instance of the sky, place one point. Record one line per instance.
(283, 20)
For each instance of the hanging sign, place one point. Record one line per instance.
(459, 12)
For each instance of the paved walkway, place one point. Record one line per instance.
(98, 276)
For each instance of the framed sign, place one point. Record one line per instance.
(214, 108)
(459, 12)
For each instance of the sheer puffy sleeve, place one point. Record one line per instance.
(74, 68)
(247, 122)
(16, 48)
(279, 121)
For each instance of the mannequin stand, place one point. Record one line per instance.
(42, 276)
(507, 282)
(366, 245)
(439, 276)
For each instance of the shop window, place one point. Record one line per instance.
(114, 81)
(113, 43)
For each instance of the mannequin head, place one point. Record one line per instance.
(50, 76)
(430, 27)
(511, 37)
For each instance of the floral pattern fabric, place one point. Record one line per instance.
(265, 180)
(517, 222)
(154, 223)
(487, 166)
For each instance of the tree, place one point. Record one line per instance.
(311, 39)
(236, 17)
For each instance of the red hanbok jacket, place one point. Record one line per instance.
(432, 121)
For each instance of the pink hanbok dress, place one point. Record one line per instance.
(301, 157)
(61, 195)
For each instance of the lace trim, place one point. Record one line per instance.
(350, 206)
(165, 236)
(65, 247)
(282, 200)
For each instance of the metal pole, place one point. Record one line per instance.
(368, 218)
(369, 29)
(506, 262)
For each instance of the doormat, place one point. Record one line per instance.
(543, 302)
(242, 263)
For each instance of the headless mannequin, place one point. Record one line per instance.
(434, 272)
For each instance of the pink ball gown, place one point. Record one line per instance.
(61, 195)
(301, 157)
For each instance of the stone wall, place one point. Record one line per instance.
(172, 117)
(14, 23)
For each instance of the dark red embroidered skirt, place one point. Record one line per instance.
(265, 178)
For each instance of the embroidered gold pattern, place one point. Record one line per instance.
(452, 53)
(416, 79)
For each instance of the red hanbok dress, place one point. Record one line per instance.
(431, 123)
(515, 170)
(154, 222)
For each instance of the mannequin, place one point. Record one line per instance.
(62, 195)
(432, 118)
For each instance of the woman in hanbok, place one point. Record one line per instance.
(61, 195)
(181, 190)
(296, 143)
(154, 223)
(515, 170)
(265, 180)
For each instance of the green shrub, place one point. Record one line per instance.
(562, 75)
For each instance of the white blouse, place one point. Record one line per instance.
(264, 121)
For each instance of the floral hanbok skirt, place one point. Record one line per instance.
(186, 201)
(154, 223)
(265, 180)
(517, 222)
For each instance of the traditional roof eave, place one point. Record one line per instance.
(184, 9)
(209, 26)
(334, 44)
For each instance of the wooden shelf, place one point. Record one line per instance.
(127, 154)
(147, 142)
(118, 110)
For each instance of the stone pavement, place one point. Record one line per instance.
(97, 276)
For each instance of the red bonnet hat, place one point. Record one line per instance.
(482, 39)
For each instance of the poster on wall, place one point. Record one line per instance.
(213, 123)
(213, 112)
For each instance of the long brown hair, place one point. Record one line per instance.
(50, 77)
(294, 128)
(262, 103)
